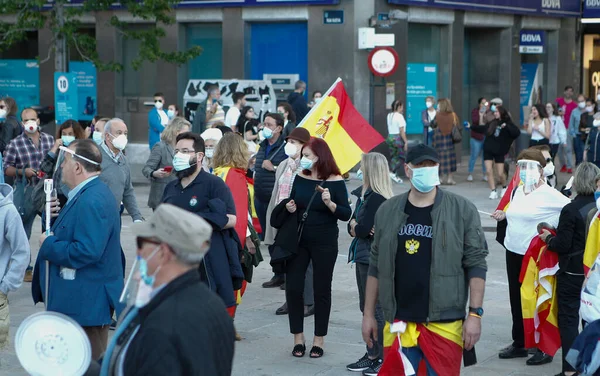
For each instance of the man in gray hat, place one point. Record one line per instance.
(177, 325)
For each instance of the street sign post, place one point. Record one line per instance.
(383, 61)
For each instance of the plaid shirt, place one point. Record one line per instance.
(22, 153)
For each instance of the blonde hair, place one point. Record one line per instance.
(376, 174)
(445, 105)
(231, 151)
(169, 135)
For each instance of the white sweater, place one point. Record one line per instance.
(526, 211)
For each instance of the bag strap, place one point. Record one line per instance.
(305, 214)
(277, 151)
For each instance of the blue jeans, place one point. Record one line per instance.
(415, 355)
(476, 150)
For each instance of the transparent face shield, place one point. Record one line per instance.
(130, 291)
(529, 172)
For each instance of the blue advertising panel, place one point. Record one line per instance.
(591, 9)
(65, 96)
(557, 8)
(531, 42)
(20, 79)
(531, 89)
(421, 82)
(86, 89)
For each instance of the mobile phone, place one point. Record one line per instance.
(168, 168)
(469, 357)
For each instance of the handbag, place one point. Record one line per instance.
(456, 131)
(23, 198)
(305, 214)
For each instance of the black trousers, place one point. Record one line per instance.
(543, 141)
(568, 295)
(323, 261)
(513, 269)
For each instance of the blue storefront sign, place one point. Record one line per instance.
(231, 3)
(531, 42)
(591, 9)
(421, 82)
(556, 8)
(531, 89)
(20, 79)
(333, 17)
(86, 89)
(65, 96)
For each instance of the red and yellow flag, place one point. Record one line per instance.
(538, 297)
(507, 198)
(592, 244)
(335, 120)
(441, 344)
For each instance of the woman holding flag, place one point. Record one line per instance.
(532, 202)
(569, 244)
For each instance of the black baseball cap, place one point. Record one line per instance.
(421, 153)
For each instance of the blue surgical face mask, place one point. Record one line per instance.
(359, 175)
(97, 137)
(267, 133)
(306, 163)
(493, 108)
(425, 179)
(170, 114)
(143, 268)
(67, 140)
(596, 195)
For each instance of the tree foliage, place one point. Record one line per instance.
(29, 15)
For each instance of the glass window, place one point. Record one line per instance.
(140, 82)
(209, 63)
(25, 49)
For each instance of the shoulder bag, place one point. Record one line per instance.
(306, 212)
(456, 131)
(23, 197)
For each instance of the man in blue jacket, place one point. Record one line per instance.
(83, 250)
(157, 120)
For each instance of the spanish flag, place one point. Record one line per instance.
(441, 344)
(538, 297)
(347, 133)
(507, 198)
(592, 244)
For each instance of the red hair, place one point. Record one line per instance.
(325, 165)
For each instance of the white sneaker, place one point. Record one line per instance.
(484, 178)
(493, 195)
(395, 178)
(503, 192)
(470, 177)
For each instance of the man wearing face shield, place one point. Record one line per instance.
(427, 260)
(207, 195)
(116, 172)
(177, 326)
(533, 202)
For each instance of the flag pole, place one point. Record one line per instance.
(314, 108)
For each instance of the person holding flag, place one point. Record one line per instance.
(569, 244)
(424, 273)
(531, 202)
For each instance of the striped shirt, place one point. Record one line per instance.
(217, 116)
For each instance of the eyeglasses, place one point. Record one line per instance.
(185, 151)
(67, 150)
(140, 242)
(158, 100)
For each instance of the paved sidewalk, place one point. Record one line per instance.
(267, 345)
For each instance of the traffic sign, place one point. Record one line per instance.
(383, 61)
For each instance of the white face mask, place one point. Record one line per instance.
(589, 108)
(581, 105)
(158, 105)
(596, 122)
(290, 150)
(209, 152)
(549, 169)
(428, 104)
(120, 142)
(2, 113)
(31, 126)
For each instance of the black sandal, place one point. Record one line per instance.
(299, 350)
(316, 352)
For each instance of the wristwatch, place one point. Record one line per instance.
(478, 311)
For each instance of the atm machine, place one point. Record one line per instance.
(283, 84)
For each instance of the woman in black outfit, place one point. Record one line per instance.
(376, 188)
(501, 133)
(321, 181)
(248, 124)
(569, 243)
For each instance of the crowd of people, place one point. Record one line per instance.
(228, 182)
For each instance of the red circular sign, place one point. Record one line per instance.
(383, 61)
